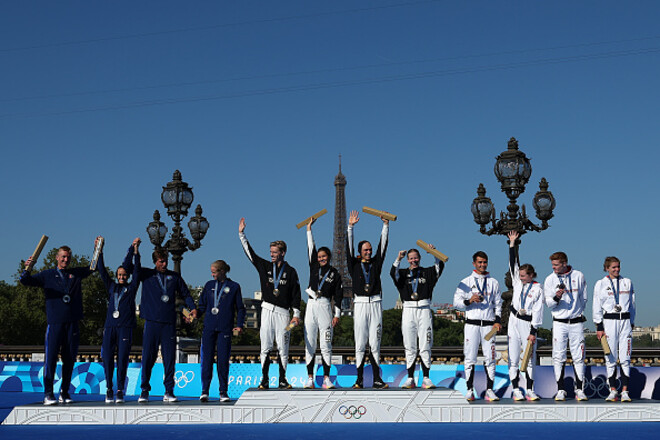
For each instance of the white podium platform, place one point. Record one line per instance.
(336, 406)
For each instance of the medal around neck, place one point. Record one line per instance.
(367, 287)
(276, 292)
(215, 310)
(165, 298)
(115, 314)
(414, 296)
(66, 299)
(618, 308)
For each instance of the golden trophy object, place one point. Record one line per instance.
(315, 216)
(37, 251)
(436, 253)
(378, 213)
(95, 257)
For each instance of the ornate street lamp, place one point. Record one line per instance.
(513, 170)
(177, 197)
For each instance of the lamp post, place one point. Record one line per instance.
(177, 198)
(513, 170)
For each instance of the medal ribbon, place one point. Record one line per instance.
(367, 274)
(568, 277)
(163, 285)
(482, 290)
(218, 292)
(65, 281)
(276, 278)
(322, 280)
(523, 295)
(118, 297)
(616, 291)
(414, 274)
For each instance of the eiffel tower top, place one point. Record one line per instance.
(340, 179)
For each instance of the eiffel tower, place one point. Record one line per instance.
(339, 242)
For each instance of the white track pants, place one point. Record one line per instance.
(619, 338)
(318, 324)
(417, 329)
(273, 324)
(367, 326)
(564, 334)
(473, 336)
(518, 332)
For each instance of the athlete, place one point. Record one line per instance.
(160, 287)
(280, 291)
(479, 295)
(524, 321)
(119, 323)
(565, 291)
(365, 272)
(325, 287)
(415, 285)
(64, 310)
(614, 315)
(222, 299)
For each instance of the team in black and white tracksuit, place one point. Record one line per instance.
(480, 296)
(524, 321)
(415, 285)
(614, 314)
(325, 287)
(280, 292)
(368, 295)
(565, 294)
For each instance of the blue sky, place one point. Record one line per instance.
(254, 101)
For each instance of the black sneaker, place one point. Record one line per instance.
(65, 397)
(204, 397)
(380, 385)
(120, 397)
(49, 399)
(169, 397)
(284, 385)
(358, 385)
(109, 397)
(144, 397)
(263, 385)
(223, 396)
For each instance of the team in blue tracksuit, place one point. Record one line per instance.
(221, 300)
(119, 324)
(157, 307)
(63, 295)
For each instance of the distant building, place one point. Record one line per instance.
(449, 312)
(653, 331)
(253, 311)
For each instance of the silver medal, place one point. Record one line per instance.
(165, 298)
(366, 287)
(215, 310)
(115, 314)
(617, 308)
(414, 296)
(66, 299)
(276, 292)
(522, 312)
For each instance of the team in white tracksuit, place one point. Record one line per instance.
(525, 318)
(280, 291)
(325, 287)
(614, 315)
(365, 271)
(565, 291)
(415, 285)
(480, 296)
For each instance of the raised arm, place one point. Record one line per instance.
(249, 252)
(311, 247)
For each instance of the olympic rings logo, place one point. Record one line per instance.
(186, 378)
(352, 411)
(599, 387)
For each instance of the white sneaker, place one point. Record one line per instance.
(409, 383)
(309, 384)
(612, 397)
(518, 395)
(170, 398)
(580, 396)
(49, 399)
(327, 383)
(561, 396)
(428, 384)
(491, 396)
(470, 395)
(531, 396)
(625, 397)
